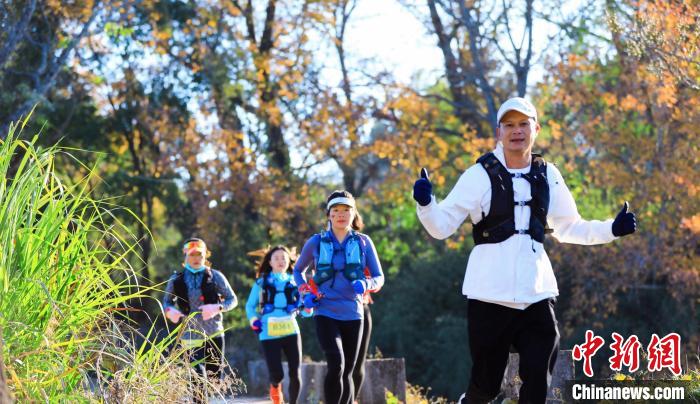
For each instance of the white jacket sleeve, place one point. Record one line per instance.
(564, 219)
(442, 219)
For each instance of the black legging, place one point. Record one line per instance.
(273, 348)
(340, 341)
(212, 366)
(212, 353)
(493, 329)
(358, 375)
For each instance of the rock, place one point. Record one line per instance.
(380, 375)
(563, 371)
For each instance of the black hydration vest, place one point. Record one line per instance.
(208, 291)
(499, 224)
(269, 291)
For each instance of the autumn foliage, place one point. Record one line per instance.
(232, 121)
(624, 127)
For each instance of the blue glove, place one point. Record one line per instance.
(257, 326)
(268, 308)
(359, 286)
(423, 189)
(310, 301)
(625, 223)
(291, 308)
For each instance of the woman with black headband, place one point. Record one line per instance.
(339, 256)
(205, 292)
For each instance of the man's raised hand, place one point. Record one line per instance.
(423, 189)
(625, 222)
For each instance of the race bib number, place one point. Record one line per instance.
(280, 326)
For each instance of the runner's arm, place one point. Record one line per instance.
(253, 302)
(226, 292)
(567, 223)
(376, 281)
(305, 259)
(169, 295)
(442, 219)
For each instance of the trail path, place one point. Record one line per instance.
(243, 400)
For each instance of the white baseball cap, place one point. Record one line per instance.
(517, 104)
(341, 200)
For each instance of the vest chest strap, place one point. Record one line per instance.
(499, 224)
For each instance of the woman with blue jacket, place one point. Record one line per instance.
(339, 257)
(271, 309)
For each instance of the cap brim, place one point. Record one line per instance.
(340, 204)
(521, 110)
(340, 201)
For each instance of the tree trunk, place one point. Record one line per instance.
(277, 148)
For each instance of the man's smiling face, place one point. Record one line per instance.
(517, 132)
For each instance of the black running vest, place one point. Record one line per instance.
(499, 224)
(269, 291)
(208, 291)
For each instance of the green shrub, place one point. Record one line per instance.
(64, 279)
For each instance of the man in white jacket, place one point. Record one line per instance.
(514, 198)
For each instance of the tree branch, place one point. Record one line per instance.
(52, 71)
(482, 82)
(523, 70)
(16, 32)
(249, 21)
(267, 39)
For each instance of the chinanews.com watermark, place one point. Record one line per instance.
(580, 391)
(662, 354)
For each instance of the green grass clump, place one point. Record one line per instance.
(64, 279)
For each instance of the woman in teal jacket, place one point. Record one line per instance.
(272, 308)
